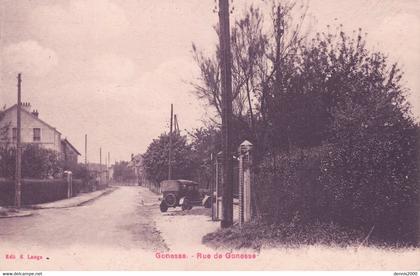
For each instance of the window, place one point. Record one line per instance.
(14, 134)
(37, 134)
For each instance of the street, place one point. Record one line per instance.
(116, 220)
(113, 225)
(124, 230)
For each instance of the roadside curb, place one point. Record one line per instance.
(105, 192)
(75, 204)
(17, 214)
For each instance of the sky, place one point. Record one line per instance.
(111, 68)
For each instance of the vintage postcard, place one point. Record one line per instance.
(144, 135)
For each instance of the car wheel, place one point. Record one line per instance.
(163, 207)
(186, 205)
(170, 200)
(207, 204)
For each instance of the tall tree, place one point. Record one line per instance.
(155, 159)
(4, 127)
(261, 56)
(331, 94)
(205, 144)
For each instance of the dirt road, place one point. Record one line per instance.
(111, 226)
(117, 220)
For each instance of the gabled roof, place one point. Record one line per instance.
(70, 145)
(33, 116)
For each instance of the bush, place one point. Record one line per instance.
(371, 186)
(289, 187)
(258, 234)
(329, 184)
(156, 163)
(37, 162)
(79, 185)
(35, 191)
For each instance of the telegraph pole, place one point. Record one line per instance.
(100, 166)
(226, 77)
(107, 169)
(176, 126)
(85, 149)
(18, 174)
(170, 145)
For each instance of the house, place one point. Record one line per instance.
(36, 131)
(99, 172)
(136, 164)
(69, 153)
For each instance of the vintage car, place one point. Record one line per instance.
(184, 193)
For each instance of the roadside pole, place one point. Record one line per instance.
(18, 174)
(170, 145)
(100, 166)
(227, 190)
(107, 168)
(86, 149)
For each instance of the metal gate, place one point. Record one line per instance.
(217, 188)
(242, 182)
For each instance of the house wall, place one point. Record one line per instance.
(69, 155)
(50, 138)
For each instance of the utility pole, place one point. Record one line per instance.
(170, 145)
(100, 166)
(18, 174)
(176, 126)
(107, 169)
(226, 77)
(86, 149)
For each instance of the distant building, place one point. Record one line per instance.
(69, 153)
(136, 164)
(111, 172)
(98, 172)
(36, 131)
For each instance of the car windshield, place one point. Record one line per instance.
(169, 185)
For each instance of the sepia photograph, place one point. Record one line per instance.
(209, 135)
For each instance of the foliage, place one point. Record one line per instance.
(80, 171)
(290, 182)
(4, 128)
(35, 191)
(37, 162)
(258, 234)
(155, 159)
(334, 136)
(122, 172)
(205, 145)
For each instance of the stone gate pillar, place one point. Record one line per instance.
(217, 205)
(245, 161)
(69, 180)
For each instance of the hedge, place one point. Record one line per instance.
(314, 185)
(35, 191)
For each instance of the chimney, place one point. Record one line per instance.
(26, 106)
(35, 113)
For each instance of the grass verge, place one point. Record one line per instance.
(256, 235)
